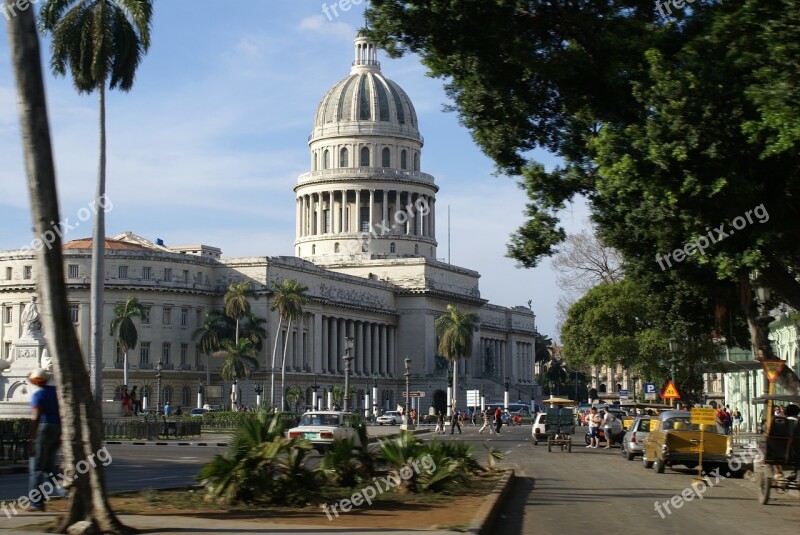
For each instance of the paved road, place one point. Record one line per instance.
(598, 491)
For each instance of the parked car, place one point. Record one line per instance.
(674, 440)
(538, 431)
(390, 418)
(197, 413)
(633, 441)
(323, 428)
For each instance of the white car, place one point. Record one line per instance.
(390, 418)
(322, 428)
(538, 430)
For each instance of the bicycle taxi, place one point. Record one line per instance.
(780, 448)
(560, 423)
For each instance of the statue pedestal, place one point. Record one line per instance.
(15, 391)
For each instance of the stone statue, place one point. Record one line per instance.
(31, 321)
(46, 361)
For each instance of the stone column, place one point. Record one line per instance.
(297, 215)
(408, 218)
(358, 212)
(359, 347)
(385, 220)
(342, 343)
(371, 209)
(334, 330)
(344, 224)
(431, 207)
(331, 210)
(324, 353)
(368, 348)
(319, 214)
(391, 361)
(384, 350)
(376, 348)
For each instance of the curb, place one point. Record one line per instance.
(484, 519)
(140, 443)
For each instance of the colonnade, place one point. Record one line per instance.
(388, 211)
(497, 348)
(373, 347)
(524, 361)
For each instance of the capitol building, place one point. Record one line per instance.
(365, 246)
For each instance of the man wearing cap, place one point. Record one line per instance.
(45, 435)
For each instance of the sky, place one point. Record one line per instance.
(208, 145)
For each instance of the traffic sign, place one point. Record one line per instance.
(649, 388)
(670, 392)
(704, 416)
(473, 398)
(623, 394)
(773, 368)
(414, 394)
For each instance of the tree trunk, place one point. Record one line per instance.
(98, 261)
(274, 351)
(283, 364)
(81, 420)
(124, 368)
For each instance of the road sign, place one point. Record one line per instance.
(649, 388)
(773, 368)
(415, 394)
(670, 392)
(704, 416)
(623, 394)
(473, 398)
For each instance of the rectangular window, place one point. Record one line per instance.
(167, 275)
(27, 272)
(184, 317)
(186, 275)
(144, 353)
(199, 317)
(167, 316)
(199, 277)
(184, 353)
(146, 315)
(165, 347)
(9, 272)
(145, 273)
(74, 313)
(8, 314)
(364, 222)
(327, 216)
(123, 272)
(7, 350)
(197, 358)
(72, 271)
(120, 355)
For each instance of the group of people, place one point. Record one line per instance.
(131, 404)
(596, 421)
(731, 422)
(493, 419)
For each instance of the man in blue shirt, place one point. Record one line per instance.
(166, 409)
(45, 435)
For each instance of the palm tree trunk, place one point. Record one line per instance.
(272, 379)
(81, 420)
(125, 367)
(98, 261)
(283, 363)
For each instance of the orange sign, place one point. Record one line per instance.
(773, 368)
(670, 392)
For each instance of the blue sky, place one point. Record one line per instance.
(207, 146)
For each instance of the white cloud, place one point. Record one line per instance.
(320, 26)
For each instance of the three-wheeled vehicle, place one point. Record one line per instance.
(560, 423)
(780, 448)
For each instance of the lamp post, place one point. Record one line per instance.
(314, 389)
(483, 398)
(347, 358)
(408, 424)
(673, 349)
(764, 349)
(259, 389)
(374, 394)
(159, 367)
(506, 384)
(635, 379)
(199, 393)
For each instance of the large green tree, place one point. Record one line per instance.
(288, 298)
(82, 431)
(455, 329)
(670, 127)
(240, 360)
(124, 330)
(101, 42)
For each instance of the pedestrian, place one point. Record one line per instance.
(593, 420)
(737, 421)
(166, 409)
(126, 401)
(498, 420)
(439, 423)
(45, 436)
(606, 423)
(455, 418)
(726, 420)
(135, 403)
(487, 421)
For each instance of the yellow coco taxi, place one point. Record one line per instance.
(674, 440)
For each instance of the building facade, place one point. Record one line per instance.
(365, 247)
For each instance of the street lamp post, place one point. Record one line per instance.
(259, 389)
(159, 367)
(408, 424)
(375, 395)
(673, 349)
(314, 389)
(764, 350)
(347, 358)
(199, 393)
(506, 384)
(635, 379)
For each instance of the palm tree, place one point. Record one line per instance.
(82, 422)
(215, 328)
(454, 330)
(253, 330)
(294, 395)
(236, 304)
(101, 42)
(288, 299)
(240, 359)
(122, 325)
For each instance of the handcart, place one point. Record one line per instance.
(560, 426)
(780, 447)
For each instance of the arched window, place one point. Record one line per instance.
(313, 249)
(316, 163)
(326, 159)
(386, 160)
(167, 395)
(344, 157)
(416, 161)
(392, 247)
(416, 249)
(336, 247)
(364, 157)
(185, 396)
(403, 159)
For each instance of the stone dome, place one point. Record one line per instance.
(365, 102)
